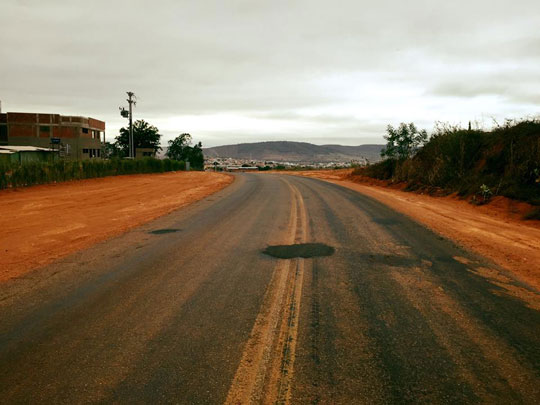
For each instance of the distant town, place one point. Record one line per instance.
(231, 164)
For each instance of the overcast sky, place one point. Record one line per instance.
(246, 70)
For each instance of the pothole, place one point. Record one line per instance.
(162, 231)
(304, 250)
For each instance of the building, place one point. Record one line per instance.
(24, 154)
(144, 152)
(74, 137)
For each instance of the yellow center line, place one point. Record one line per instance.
(265, 371)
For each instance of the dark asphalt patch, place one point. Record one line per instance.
(163, 231)
(305, 250)
(386, 221)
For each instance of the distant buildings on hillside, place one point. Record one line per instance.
(231, 164)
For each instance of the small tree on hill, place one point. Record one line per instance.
(144, 136)
(180, 149)
(404, 141)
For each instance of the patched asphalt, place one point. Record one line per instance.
(304, 250)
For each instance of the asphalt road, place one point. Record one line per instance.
(187, 309)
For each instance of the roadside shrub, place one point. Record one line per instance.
(383, 170)
(534, 214)
(485, 192)
(14, 175)
(3, 176)
(505, 160)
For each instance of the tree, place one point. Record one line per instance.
(111, 150)
(144, 136)
(404, 141)
(196, 158)
(180, 149)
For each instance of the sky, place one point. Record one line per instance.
(326, 72)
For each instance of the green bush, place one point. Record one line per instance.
(14, 175)
(383, 170)
(506, 160)
(534, 214)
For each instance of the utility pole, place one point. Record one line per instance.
(131, 102)
(129, 114)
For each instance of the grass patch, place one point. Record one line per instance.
(533, 214)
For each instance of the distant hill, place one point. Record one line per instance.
(283, 151)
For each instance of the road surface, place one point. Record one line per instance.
(188, 309)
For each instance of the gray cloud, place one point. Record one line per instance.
(325, 71)
(513, 83)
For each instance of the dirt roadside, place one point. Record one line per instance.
(44, 223)
(494, 230)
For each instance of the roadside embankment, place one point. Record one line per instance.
(494, 230)
(43, 223)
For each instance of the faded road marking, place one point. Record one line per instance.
(266, 368)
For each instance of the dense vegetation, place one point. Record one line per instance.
(27, 174)
(502, 161)
(180, 149)
(145, 135)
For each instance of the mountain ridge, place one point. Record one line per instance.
(289, 151)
